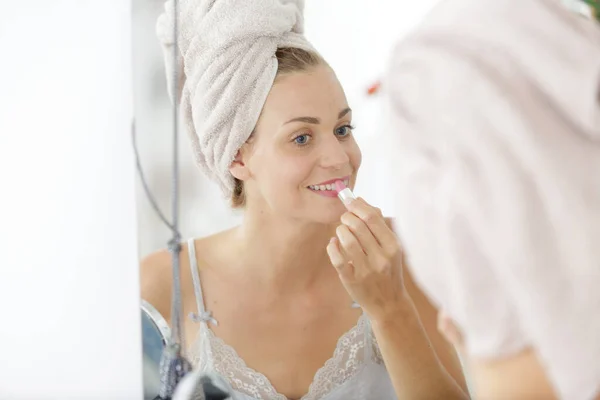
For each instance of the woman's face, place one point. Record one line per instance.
(303, 139)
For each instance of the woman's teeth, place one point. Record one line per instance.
(329, 186)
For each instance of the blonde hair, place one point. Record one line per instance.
(289, 60)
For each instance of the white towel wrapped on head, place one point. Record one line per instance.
(226, 68)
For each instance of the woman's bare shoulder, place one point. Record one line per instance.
(156, 273)
(156, 280)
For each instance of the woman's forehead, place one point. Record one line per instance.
(314, 93)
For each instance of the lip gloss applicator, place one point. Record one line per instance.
(344, 193)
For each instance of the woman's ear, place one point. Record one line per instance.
(238, 167)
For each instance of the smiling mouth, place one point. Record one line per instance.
(327, 187)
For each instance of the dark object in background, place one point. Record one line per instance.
(155, 331)
(211, 391)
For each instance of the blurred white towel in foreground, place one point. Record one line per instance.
(495, 142)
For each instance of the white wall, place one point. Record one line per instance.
(355, 36)
(69, 308)
(203, 211)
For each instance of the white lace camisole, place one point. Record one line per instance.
(354, 372)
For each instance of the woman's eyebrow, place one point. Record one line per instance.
(316, 121)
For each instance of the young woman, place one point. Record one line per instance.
(273, 297)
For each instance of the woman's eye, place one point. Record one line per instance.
(344, 130)
(302, 139)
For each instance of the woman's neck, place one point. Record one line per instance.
(288, 254)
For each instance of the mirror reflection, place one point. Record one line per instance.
(285, 302)
(293, 279)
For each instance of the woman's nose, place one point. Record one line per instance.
(334, 154)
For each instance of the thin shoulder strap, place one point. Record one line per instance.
(203, 315)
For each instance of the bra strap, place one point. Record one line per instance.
(203, 315)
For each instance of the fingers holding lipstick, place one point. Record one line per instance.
(366, 255)
(344, 267)
(361, 231)
(354, 228)
(373, 219)
(352, 249)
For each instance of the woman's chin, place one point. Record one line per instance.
(331, 216)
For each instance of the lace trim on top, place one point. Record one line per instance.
(348, 357)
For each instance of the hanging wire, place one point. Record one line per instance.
(142, 177)
(175, 243)
(173, 366)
